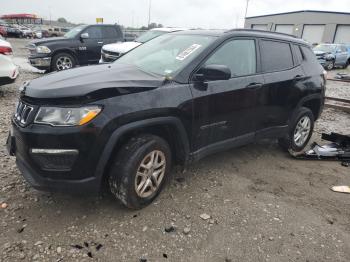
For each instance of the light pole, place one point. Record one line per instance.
(149, 12)
(246, 9)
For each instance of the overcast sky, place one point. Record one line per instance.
(176, 13)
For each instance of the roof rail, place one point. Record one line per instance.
(261, 31)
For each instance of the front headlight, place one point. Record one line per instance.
(61, 116)
(41, 49)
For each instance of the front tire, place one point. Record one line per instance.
(330, 65)
(140, 170)
(62, 61)
(299, 131)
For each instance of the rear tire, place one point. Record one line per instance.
(301, 124)
(140, 170)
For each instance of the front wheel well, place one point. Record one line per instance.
(314, 105)
(166, 131)
(68, 52)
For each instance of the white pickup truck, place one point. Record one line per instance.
(112, 52)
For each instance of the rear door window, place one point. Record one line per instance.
(275, 56)
(238, 55)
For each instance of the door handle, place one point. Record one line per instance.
(298, 77)
(254, 85)
(100, 42)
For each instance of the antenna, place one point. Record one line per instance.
(149, 12)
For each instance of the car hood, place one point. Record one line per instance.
(92, 81)
(121, 47)
(321, 53)
(49, 40)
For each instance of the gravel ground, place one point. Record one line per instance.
(262, 206)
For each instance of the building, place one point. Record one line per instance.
(312, 26)
(21, 19)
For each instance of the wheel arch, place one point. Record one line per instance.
(169, 128)
(313, 102)
(68, 51)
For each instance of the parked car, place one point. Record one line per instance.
(26, 32)
(13, 31)
(112, 52)
(57, 31)
(3, 31)
(8, 70)
(175, 99)
(332, 55)
(80, 46)
(39, 34)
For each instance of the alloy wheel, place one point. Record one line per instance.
(302, 131)
(64, 63)
(150, 174)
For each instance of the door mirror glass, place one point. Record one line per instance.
(84, 36)
(213, 73)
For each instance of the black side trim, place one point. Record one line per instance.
(222, 146)
(102, 163)
(272, 132)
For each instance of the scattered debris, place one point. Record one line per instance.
(165, 255)
(341, 189)
(98, 247)
(205, 216)
(187, 230)
(169, 229)
(59, 250)
(4, 205)
(77, 246)
(89, 254)
(143, 260)
(339, 149)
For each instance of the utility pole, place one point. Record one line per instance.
(149, 12)
(246, 9)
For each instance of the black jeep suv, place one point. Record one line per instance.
(175, 99)
(80, 46)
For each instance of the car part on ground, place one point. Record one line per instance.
(341, 189)
(338, 150)
(8, 70)
(175, 99)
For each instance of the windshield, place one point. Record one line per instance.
(167, 54)
(145, 37)
(324, 48)
(74, 32)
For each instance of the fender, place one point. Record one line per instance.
(307, 98)
(116, 135)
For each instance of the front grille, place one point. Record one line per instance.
(109, 56)
(24, 114)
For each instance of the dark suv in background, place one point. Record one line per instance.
(80, 46)
(175, 99)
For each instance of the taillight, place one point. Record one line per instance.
(5, 50)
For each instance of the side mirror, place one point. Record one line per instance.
(213, 73)
(84, 36)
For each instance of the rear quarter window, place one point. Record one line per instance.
(110, 32)
(275, 56)
(309, 54)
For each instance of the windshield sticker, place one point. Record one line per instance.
(187, 52)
